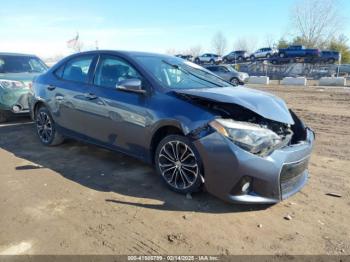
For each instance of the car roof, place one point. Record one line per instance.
(123, 52)
(15, 54)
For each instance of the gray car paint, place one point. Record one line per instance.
(103, 121)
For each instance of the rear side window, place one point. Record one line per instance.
(77, 69)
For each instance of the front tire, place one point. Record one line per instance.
(234, 81)
(178, 163)
(46, 128)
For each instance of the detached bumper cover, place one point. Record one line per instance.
(274, 178)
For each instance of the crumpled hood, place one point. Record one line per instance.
(262, 103)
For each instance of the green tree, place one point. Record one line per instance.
(340, 44)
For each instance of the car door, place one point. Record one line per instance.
(68, 91)
(222, 72)
(117, 118)
(206, 58)
(258, 53)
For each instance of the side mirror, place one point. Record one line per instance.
(131, 85)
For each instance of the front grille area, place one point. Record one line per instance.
(292, 176)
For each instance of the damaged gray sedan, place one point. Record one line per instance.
(242, 145)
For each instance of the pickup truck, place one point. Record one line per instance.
(298, 51)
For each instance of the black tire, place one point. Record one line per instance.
(234, 81)
(240, 58)
(3, 117)
(212, 62)
(274, 62)
(181, 171)
(282, 55)
(197, 61)
(268, 56)
(46, 129)
(225, 61)
(252, 58)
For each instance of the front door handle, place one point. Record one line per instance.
(90, 96)
(51, 88)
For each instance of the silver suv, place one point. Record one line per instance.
(208, 59)
(265, 52)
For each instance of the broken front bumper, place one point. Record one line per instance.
(273, 178)
(14, 102)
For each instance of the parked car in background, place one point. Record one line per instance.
(343, 70)
(16, 74)
(229, 74)
(298, 51)
(236, 56)
(265, 52)
(329, 56)
(208, 59)
(186, 57)
(243, 145)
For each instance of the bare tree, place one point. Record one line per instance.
(316, 21)
(245, 44)
(219, 43)
(172, 51)
(270, 40)
(195, 50)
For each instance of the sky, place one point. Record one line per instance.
(44, 27)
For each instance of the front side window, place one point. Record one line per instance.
(21, 64)
(174, 73)
(112, 70)
(77, 69)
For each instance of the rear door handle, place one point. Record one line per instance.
(90, 96)
(51, 88)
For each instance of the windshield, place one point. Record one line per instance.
(176, 73)
(21, 64)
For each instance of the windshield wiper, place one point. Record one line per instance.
(190, 73)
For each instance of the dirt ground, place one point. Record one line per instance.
(80, 199)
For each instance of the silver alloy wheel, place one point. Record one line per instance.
(178, 165)
(44, 127)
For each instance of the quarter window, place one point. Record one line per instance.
(113, 70)
(77, 69)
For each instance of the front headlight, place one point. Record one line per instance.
(11, 84)
(250, 137)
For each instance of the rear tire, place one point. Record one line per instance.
(252, 58)
(46, 128)
(282, 55)
(3, 117)
(197, 61)
(178, 163)
(212, 62)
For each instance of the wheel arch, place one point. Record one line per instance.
(36, 106)
(162, 131)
